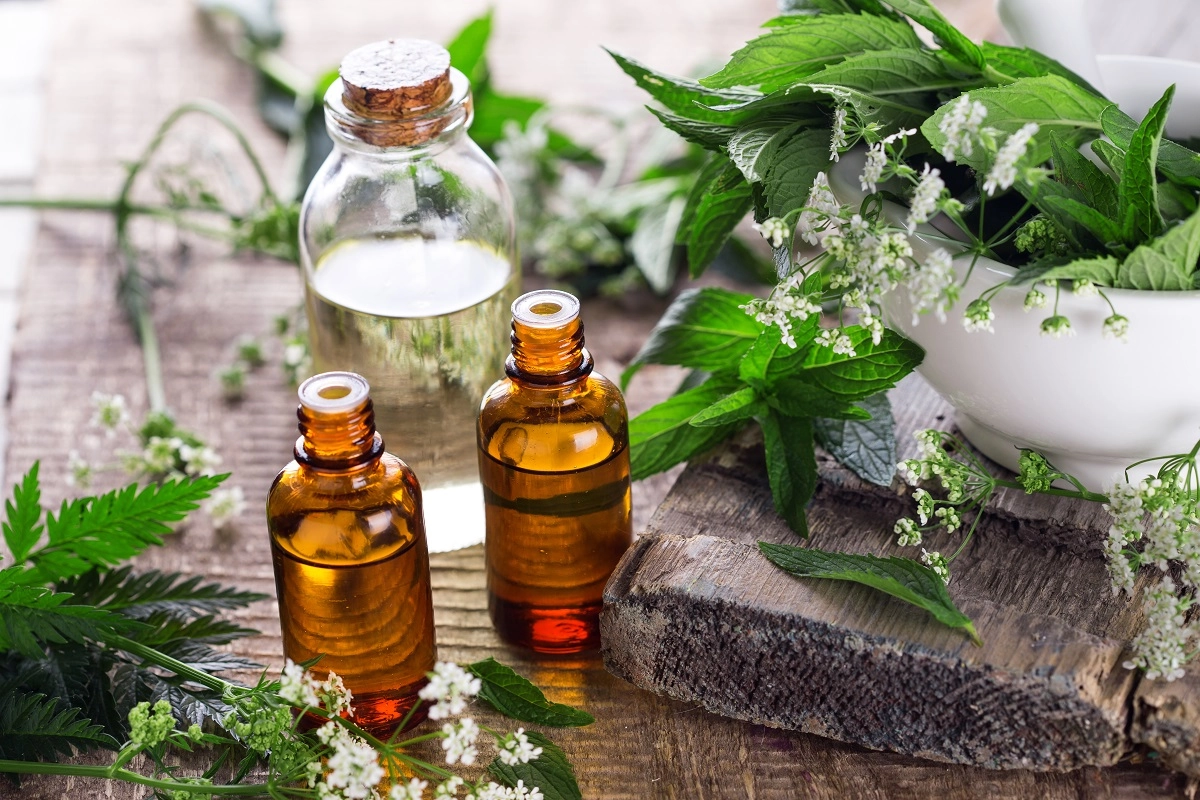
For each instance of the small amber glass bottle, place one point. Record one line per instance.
(554, 459)
(351, 562)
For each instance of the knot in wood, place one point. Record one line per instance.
(396, 77)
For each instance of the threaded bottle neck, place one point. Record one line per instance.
(337, 422)
(547, 339)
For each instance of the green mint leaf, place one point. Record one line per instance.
(865, 447)
(902, 578)
(791, 466)
(1100, 270)
(795, 397)
(1053, 102)
(1093, 185)
(1062, 208)
(1137, 194)
(716, 206)
(492, 110)
(663, 436)
(1167, 263)
(703, 329)
(514, 696)
(34, 727)
(1021, 62)
(550, 771)
(31, 616)
(769, 360)
(1113, 157)
(873, 368)
(906, 74)
(468, 50)
(798, 100)
(653, 243)
(682, 96)
(1174, 160)
(787, 55)
(139, 595)
(791, 168)
(1176, 202)
(23, 515)
(709, 135)
(735, 407)
(949, 37)
(107, 530)
(757, 142)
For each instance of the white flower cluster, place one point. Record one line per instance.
(962, 127)
(516, 749)
(450, 688)
(773, 229)
(1163, 513)
(494, 791)
(299, 687)
(787, 305)
(1003, 173)
(352, 769)
(1162, 648)
(225, 505)
(936, 562)
(459, 741)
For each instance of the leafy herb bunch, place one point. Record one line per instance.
(981, 138)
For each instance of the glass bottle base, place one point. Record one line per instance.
(558, 631)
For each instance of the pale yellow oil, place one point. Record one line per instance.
(427, 323)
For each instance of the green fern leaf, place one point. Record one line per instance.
(32, 616)
(140, 595)
(107, 530)
(23, 514)
(36, 728)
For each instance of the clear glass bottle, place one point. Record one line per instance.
(408, 246)
(348, 548)
(554, 457)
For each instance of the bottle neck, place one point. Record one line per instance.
(336, 436)
(406, 135)
(545, 349)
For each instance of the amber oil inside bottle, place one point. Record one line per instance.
(350, 557)
(554, 460)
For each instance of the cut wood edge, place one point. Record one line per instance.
(706, 620)
(1166, 719)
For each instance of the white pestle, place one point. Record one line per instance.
(1057, 28)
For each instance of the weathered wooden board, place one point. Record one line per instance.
(695, 612)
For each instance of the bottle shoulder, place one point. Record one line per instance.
(552, 429)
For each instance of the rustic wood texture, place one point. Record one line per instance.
(119, 67)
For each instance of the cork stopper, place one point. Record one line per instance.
(394, 78)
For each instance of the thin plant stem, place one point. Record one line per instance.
(128, 776)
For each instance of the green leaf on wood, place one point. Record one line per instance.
(734, 407)
(902, 578)
(791, 466)
(703, 329)
(865, 447)
(783, 56)
(550, 772)
(873, 367)
(514, 696)
(663, 436)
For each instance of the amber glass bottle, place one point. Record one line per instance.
(554, 460)
(351, 562)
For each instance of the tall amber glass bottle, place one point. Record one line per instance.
(554, 460)
(351, 562)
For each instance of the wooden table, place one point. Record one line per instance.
(117, 68)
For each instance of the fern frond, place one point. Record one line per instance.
(163, 631)
(107, 530)
(139, 595)
(36, 728)
(23, 514)
(33, 615)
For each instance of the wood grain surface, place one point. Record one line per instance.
(120, 66)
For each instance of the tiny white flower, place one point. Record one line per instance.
(1003, 173)
(160, 454)
(224, 505)
(1117, 327)
(109, 411)
(936, 562)
(516, 749)
(448, 787)
(961, 127)
(1034, 299)
(924, 201)
(450, 687)
(933, 286)
(1162, 648)
(459, 741)
(1085, 288)
(199, 460)
(297, 686)
(838, 142)
(773, 230)
(338, 698)
(908, 534)
(79, 470)
(979, 316)
(413, 790)
(873, 168)
(1057, 327)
